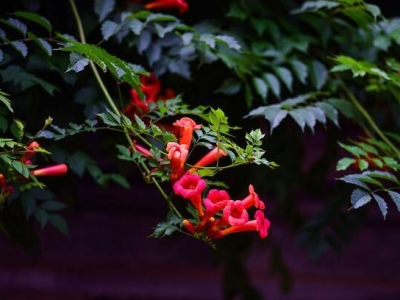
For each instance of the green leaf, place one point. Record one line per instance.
(354, 179)
(58, 222)
(43, 44)
(140, 122)
(330, 112)
(17, 129)
(383, 175)
(318, 74)
(344, 163)
(278, 119)
(359, 198)
(103, 7)
(28, 204)
(230, 86)
(300, 70)
(77, 62)
(345, 107)
(16, 24)
(230, 41)
(77, 162)
(108, 29)
(382, 204)
(261, 87)
(5, 101)
(41, 216)
(35, 18)
(395, 197)
(273, 84)
(20, 47)
(121, 180)
(286, 76)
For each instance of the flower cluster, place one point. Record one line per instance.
(151, 88)
(218, 214)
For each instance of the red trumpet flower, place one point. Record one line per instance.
(180, 5)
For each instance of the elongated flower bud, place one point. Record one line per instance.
(54, 170)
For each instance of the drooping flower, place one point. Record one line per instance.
(177, 154)
(260, 224)
(54, 170)
(212, 156)
(190, 186)
(180, 5)
(186, 127)
(253, 199)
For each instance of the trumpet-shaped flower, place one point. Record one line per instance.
(260, 224)
(186, 127)
(208, 159)
(180, 5)
(177, 154)
(54, 170)
(216, 200)
(253, 199)
(234, 213)
(190, 186)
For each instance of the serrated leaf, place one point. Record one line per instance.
(359, 198)
(136, 26)
(230, 41)
(318, 74)
(315, 6)
(278, 119)
(20, 47)
(395, 197)
(300, 70)
(77, 162)
(285, 76)
(43, 44)
(298, 116)
(273, 84)
(18, 25)
(362, 164)
(35, 18)
(261, 87)
(108, 28)
(140, 122)
(382, 204)
(330, 112)
(6, 101)
(383, 175)
(354, 179)
(344, 163)
(103, 7)
(77, 62)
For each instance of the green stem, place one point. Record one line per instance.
(369, 119)
(112, 104)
